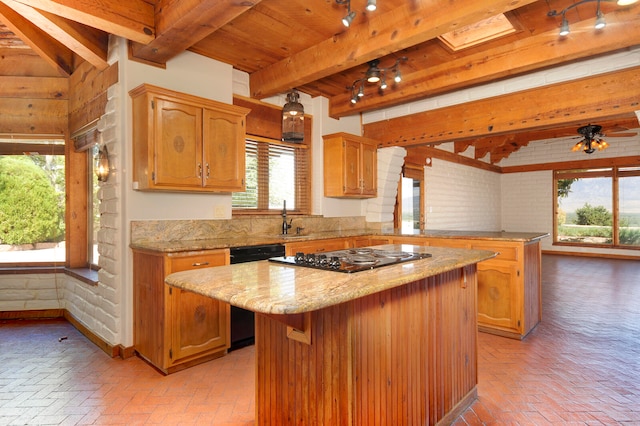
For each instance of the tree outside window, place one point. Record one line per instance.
(32, 205)
(598, 207)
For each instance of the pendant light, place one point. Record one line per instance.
(293, 119)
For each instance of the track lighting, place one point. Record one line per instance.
(348, 19)
(600, 21)
(375, 74)
(351, 15)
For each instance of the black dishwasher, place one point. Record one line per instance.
(243, 321)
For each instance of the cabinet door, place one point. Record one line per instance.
(369, 172)
(317, 246)
(224, 151)
(177, 155)
(499, 299)
(199, 324)
(352, 164)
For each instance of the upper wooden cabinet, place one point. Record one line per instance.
(350, 166)
(186, 143)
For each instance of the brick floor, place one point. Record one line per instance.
(580, 366)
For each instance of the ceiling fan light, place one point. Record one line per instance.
(371, 5)
(577, 147)
(564, 28)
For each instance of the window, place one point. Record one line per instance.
(275, 172)
(598, 207)
(32, 202)
(410, 202)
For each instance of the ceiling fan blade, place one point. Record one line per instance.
(620, 135)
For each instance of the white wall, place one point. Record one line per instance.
(462, 198)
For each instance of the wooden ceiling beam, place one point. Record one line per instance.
(52, 51)
(577, 102)
(181, 24)
(131, 19)
(523, 55)
(89, 43)
(410, 24)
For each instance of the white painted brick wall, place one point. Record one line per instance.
(461, 198)
(390, 161)
(31, 291)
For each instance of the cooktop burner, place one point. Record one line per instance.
(350, 260)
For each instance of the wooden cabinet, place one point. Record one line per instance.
(350, 166)
(186, 143)
(173, 328)
(509, 285)
(317, 246)
(367, 241)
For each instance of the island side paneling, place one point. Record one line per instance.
(403, 356)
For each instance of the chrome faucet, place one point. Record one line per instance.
(285, 226)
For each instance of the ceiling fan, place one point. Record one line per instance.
(592, 138)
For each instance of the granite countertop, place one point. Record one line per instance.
(240, 241)
(273, 288)
(481, 235)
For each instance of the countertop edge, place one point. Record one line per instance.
(298, 290)
(221, 243)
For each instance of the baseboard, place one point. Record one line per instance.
(39, 314)
(112, 350)
(588, 254)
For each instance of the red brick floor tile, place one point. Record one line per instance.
(579, 366)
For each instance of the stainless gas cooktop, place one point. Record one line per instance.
(350, 260)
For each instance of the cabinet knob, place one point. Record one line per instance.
(208, 171)
(199, 170)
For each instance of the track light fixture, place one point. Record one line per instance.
(374, 75)
(600, 21)
(591, 139)
(351, 15)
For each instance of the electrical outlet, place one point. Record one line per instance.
(218, 212)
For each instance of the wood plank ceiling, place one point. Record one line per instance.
(302, 44)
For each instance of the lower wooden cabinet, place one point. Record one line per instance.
(509, 285)
(173, 328)
(317, 246)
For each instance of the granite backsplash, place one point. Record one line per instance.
(243, 227)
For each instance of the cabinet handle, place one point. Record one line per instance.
(199, 170)
(199, 263)
(208, 171)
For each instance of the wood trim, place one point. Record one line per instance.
(577, 164)
(114, 351)
(37, 314)
(611, 95)
(459, 159)
(589, 254)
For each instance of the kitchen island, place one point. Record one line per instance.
(393, 345)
